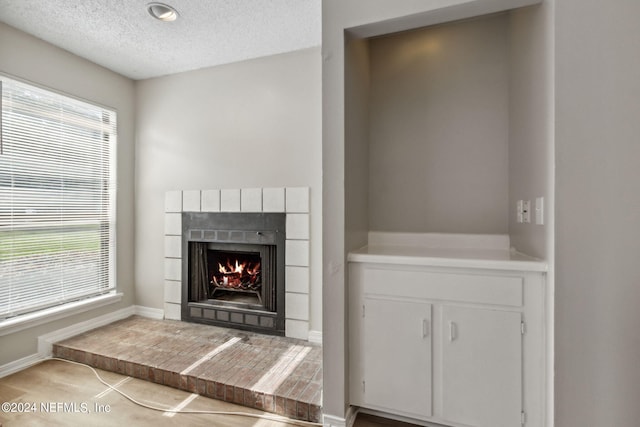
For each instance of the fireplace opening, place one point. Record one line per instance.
(234, 271)
(236, 276)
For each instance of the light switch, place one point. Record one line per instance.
(540, 210)
(526, 211)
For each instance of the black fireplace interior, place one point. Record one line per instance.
(234, 273)
(236, 276)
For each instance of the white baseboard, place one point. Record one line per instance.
(45, 342)
(315, 337)
(20, 364)
(151, 313)
(333, 421)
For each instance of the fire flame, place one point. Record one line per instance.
(239, 268)
(241, 275)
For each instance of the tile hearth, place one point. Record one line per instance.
(274, 374)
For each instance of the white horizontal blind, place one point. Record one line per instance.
(57, 199)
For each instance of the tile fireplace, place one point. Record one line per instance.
(292, 204)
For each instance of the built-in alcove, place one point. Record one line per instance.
(442, 129)
(445, 128)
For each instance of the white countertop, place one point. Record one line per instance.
(444, 255)
(447, 257)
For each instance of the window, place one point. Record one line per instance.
(57, 199)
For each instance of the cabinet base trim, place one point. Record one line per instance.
(333, 421)
(398, 418)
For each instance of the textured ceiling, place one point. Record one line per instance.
(122, 36)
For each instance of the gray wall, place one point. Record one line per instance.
(531, 125)
(597, 213)
(531, 149)
(357, 126)
(439, 129)
(33, 60)
(244, 125)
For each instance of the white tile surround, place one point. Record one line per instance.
(294, 201)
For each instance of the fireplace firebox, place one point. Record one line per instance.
(233, 274)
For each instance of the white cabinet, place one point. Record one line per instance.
(447, 345)
(481, 366)
(394, 379)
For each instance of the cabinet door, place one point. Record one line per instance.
(482, 367)
(397, 356)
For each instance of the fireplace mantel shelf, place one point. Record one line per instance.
(445, 250)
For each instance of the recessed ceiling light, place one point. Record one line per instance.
(162, 12)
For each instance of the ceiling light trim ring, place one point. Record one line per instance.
(162, 12)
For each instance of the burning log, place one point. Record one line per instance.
(243, 276)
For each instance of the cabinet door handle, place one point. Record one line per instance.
(453, 331)
(425, 328)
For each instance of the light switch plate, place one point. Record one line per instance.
(526, 211)
(519, 207)
(540, 210)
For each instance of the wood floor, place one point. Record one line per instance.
(61, 394)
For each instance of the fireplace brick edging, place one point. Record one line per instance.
(296, 408)
(293, 201)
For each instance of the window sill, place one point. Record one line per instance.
(30, 320)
